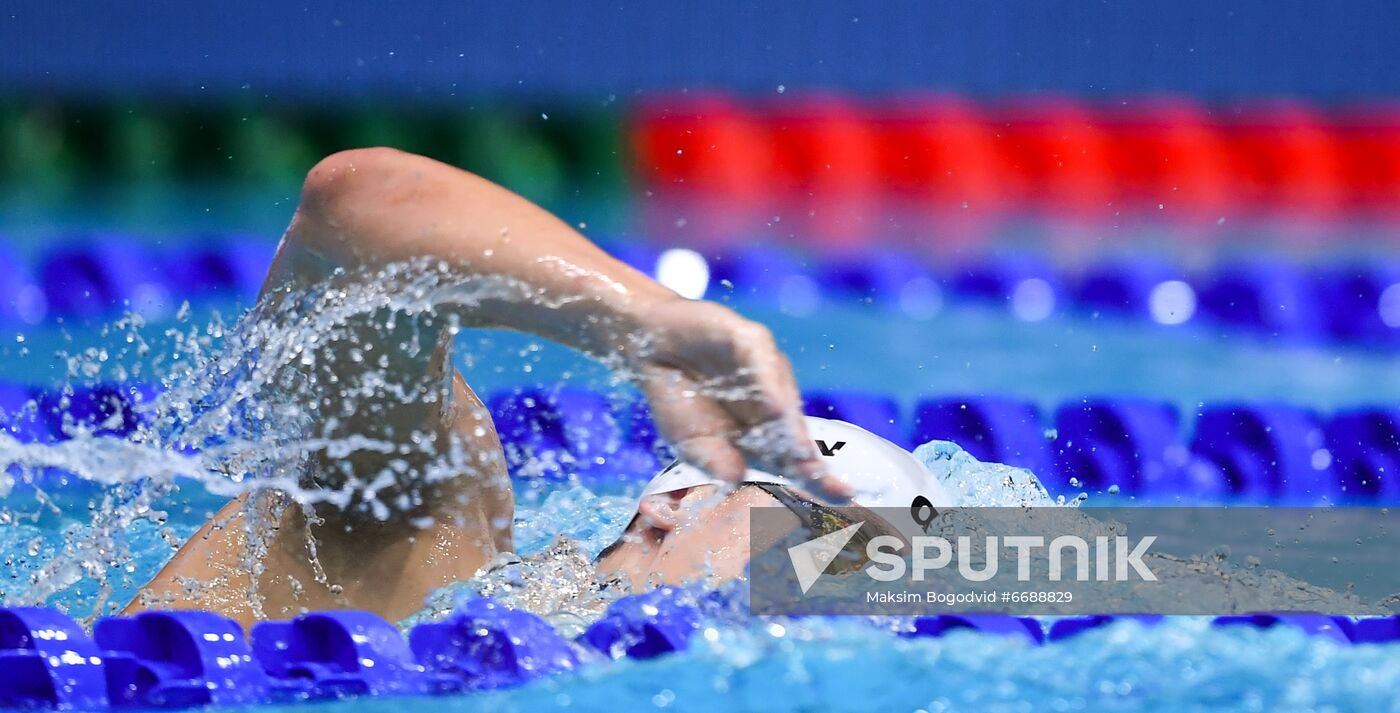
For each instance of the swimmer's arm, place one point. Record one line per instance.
(370, 207)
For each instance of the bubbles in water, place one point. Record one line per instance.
(921, 298)
(798, 296)
(1172, 302)
(31, 305)
(1033, 300)
(1388, 306)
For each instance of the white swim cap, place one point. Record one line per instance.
(880, 473)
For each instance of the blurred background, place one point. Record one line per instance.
(1102, 240)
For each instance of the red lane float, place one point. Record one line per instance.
(704, 143)
(1166, 156)
(942, 151)
(1368, 142)
(1056, 155)
(825, 168)
(1283, 156)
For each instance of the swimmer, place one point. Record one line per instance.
(367, 208)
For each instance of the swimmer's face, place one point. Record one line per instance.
(698, 534)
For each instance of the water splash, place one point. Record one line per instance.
(316, 379)
(554, 576)
(972, 483)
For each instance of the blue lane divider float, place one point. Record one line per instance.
(88, 280)
(643, 435)
(1265, 297)
(759, 270)
(488, 645)
(644, 626)
(94, 276)
(992, 428)
(340, 653)
(1257, 453)
(20, 420)
(1376, 630)
(46, 416)
(233, 265)
(890, 279)
(876, 413)
(566, 430)
(996, 278)
(46, 661)
(32, 415)
(1134, 444)
(1330, 627)
(1365, 448)
(182, 659)
(21, 299)
(18, 408)
(1023, 628)
(1362, 302)
(1071, 627)
(171, 659)
(1128, 287)
(103, 409)
(1267, 452)
(1268, 297)
(97, 276)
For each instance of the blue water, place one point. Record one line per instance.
(851, 666)
(817, 665)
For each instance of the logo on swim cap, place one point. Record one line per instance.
(878, 472)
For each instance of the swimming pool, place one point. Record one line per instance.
(817, 664)
(1165, 299)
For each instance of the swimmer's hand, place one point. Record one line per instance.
(724, 395)
(720, 389)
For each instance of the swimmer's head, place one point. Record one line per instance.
(690, 526)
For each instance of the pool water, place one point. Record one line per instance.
(821, 664)
(838, 665)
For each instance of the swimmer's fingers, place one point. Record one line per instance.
(724, 393)
(708, 434)
(701, 431)
(783, 446)
(769, 413)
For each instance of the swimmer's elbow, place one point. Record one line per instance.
(355, 181)
(359, 203)
(378, 204)
(340, 179)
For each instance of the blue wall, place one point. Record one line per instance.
(1214, 48)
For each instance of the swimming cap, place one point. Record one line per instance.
(880, 474)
